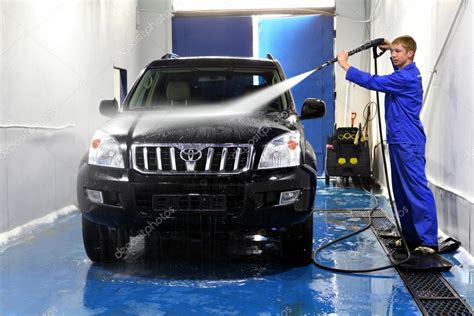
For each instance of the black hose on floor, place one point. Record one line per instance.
(330, 243)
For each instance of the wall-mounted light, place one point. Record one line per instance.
(219, 5)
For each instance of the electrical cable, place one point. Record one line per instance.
(441, 54)
(367, 108)
(324, 246)
(367, 119)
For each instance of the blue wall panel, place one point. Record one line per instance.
(212, 36)
(301, 44)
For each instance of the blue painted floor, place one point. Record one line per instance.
(49, 274)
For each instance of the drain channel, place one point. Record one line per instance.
(430, 290)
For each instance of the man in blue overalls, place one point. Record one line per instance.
(406, 138)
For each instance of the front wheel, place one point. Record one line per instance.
(297, 243)
(103, 244)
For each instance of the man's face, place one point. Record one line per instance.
(400, 56)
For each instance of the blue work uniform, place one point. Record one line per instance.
(406, 138)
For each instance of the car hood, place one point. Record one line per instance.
(167, 127)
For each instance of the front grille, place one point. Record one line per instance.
(191, 158)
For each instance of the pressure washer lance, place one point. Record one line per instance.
(372, 44)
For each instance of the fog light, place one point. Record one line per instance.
(288, 197)
(94, 196)
(259, 238)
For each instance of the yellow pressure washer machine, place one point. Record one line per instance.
(348, 155)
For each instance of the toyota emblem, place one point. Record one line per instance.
(190, 154)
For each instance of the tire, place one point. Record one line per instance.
(297, 243)
(103, 244)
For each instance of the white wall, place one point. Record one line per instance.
(449, 111)
(57, 61)
(155, 26)
(351, 34)
(3, 178)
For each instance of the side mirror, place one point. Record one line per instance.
(108, 107)
(313, 108)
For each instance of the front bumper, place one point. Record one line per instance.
(250, 199)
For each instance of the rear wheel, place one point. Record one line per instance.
(297, 243)
(103, 244)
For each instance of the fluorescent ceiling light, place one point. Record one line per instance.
(224, 5)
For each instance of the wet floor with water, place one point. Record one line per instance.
(48, 273)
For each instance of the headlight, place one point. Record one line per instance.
(282, 151)
(105, 151)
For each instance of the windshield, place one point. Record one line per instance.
(165, 88)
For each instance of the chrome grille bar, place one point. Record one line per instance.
(158, 158)
(172, 159)
(232, 158)
(145, 157)
(210, 154)
(223, 158)
(237, 158)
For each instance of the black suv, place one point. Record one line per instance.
(172, 155)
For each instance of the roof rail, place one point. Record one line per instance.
(170, 56)
(269, 56)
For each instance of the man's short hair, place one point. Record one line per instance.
(407, 42)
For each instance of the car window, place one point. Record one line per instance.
(164, 88)
(143, 89)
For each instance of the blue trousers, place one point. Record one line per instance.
(414, 199)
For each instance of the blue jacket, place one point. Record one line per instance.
(403, 99)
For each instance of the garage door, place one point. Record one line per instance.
(212, 36)
(301, 44)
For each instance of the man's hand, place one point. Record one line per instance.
(386, 45)
(342, 58)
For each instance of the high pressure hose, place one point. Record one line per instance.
(393, 264)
